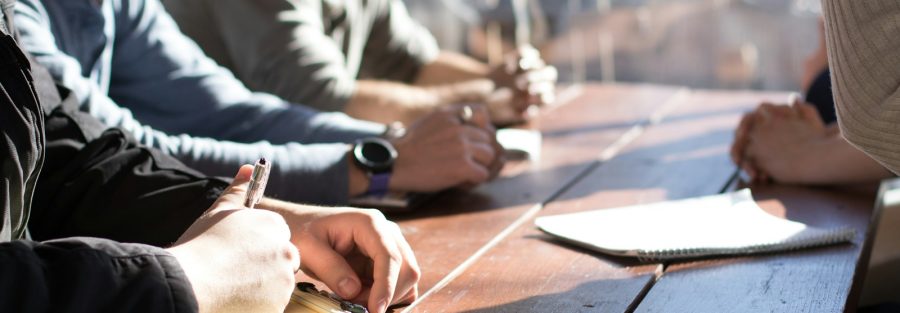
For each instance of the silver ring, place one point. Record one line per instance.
(465, 115)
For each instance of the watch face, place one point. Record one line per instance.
(376, 154)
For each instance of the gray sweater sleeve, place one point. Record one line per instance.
(167, 82)
(864, 57)
(398, 46)
(283, 46)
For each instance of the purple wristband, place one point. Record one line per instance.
(378, 184)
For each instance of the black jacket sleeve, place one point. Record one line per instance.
(74, 178)
(75, 274)
(91, 275)
(100, 182)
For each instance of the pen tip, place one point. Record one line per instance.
(262, 161)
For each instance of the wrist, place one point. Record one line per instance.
(358, 181)
(374, 157)
(193, 274)
(809, 161)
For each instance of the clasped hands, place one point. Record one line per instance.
(523, 81)
(778, 142)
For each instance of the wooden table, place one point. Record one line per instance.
(613, 145)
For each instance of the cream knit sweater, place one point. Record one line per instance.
(864, 54)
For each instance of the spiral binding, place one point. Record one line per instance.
(793, 244)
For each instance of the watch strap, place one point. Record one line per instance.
(378, 184)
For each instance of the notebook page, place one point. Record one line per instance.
(729, 223)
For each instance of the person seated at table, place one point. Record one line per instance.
(117, 54)
(801, 143)
(95, 222)
(368, 59)
(864, 57)
(865, 63)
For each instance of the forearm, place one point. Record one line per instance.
(451, 67)
(316, 173)
(387, 102)
(833, 160)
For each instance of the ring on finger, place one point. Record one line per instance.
(466, 114)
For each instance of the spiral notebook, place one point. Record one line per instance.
(725, 224)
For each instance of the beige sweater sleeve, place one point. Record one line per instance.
(864, 55)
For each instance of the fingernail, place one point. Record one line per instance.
(382, 305)
(347, 287)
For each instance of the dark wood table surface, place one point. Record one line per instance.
(613, 145)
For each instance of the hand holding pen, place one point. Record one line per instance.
(229, 250)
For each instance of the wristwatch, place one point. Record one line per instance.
(376, 156)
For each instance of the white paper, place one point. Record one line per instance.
(521, 142)
(729, 223)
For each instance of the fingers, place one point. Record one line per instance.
(386, 271)
(474, 172)
(383, 270)
(479, 146)
(236, 192)
(395, 271)
(740, 138)
(499, 161)
(241, 179)
(527, 79)
(535, 87)
(766, 111)
(531, 78)
(809, 113)
(482, 153)
(475, 134)
(331, 268)
(747, 166)
(480, 117)
(408, 284)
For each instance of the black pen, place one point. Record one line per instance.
(258, 181)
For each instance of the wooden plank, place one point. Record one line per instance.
(815, 280)
(453, 227)
(528, 272)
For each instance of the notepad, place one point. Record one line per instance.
(725, 224)
(520, 144)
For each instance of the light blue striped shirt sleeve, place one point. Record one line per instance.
(131, 67)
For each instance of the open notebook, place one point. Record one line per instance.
(725, 224)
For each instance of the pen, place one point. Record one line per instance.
(258, 181)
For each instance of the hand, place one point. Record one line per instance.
(238, 259)
(777, 142)
(500, 102)
(358, 254)
(530, 80)
(420, 101)
(439, 151)
(742, 137)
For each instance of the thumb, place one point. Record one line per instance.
(238, 189)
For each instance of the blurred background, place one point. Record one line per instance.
(731, 44)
